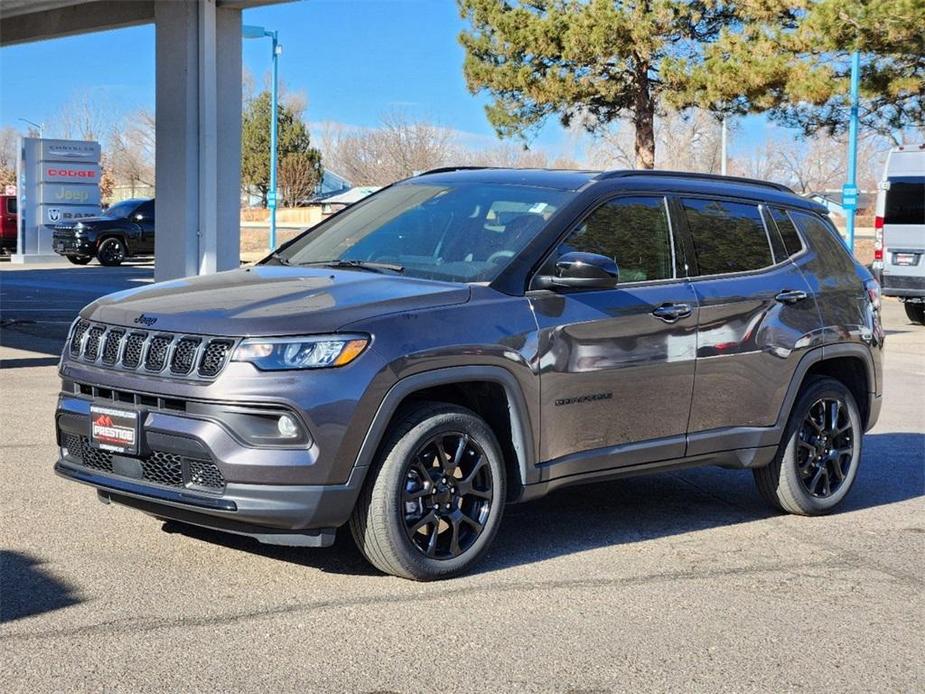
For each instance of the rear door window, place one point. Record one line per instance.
(11, 205)
(905, 202)
(728, 236)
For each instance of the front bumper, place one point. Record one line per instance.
(293, 515)
(73, 246)
(195, 471)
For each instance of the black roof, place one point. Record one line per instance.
(636, 179)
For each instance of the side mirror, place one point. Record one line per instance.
(581, 271)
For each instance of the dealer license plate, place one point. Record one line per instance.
(114, 430)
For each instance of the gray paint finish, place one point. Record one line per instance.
(595, 384)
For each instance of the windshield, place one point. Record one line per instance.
(460, 233)
(121, 209)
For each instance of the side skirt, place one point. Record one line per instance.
(741, 458)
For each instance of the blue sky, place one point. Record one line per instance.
(354, 60)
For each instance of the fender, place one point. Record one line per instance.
(521, 431)
(704, 442)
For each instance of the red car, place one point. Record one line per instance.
(8, 223)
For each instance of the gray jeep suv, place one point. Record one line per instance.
(473, 337)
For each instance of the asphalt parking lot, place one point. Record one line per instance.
(681, 581)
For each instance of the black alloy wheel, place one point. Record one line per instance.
(817, 460)
(825, 447)
(111, 252)
(448, 495)
(433, 500)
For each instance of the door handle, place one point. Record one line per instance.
(791, 296)
(672, 312)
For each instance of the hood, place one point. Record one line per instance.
(271, 300)
(97, 221)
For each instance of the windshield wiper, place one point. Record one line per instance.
(280, 259)
(357, 265)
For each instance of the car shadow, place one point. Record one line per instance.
(28, 589)
(634, 509)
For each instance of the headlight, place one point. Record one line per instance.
(314, 352)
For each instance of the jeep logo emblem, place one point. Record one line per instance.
(146, 320)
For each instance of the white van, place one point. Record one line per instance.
(899, 250)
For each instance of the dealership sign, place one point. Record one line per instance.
(69, 194)
(59, 184)
(71, 173)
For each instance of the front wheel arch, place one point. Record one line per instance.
(417, 386)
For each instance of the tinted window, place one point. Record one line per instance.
(11, 205)
(146, 209)
(634, 232)
(788, 232)
(825, 240)
(777, 243)
(121, 210)
(466, 232)
(905, 202)
(728, 236)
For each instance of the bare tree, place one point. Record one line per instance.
(398, 148)
(762, 162)
(821, 162)
(83, 118)
(131, 151)
(685, 141)
(298, 177)
(505, 155)
(9, 153)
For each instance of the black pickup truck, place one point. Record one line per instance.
(126, 229)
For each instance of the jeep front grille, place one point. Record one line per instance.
(184, 356)
(160, 467)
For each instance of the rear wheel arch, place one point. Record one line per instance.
(851, 364)
(490, 392)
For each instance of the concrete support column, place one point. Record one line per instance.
(198, 120)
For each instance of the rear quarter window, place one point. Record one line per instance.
(905, 202)
(11, 205)
(825, 239)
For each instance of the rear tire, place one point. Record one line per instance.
(817, 460)
(79, 259)
(433, 501)
(915, 312)
(111, 252)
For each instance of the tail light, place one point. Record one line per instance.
(878, 238)
(873, 293)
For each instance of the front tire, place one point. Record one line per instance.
(433, 502)
(111, 252)
(915, 311)
(79, 259)
(817, 460)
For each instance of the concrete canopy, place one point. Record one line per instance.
(197, 112)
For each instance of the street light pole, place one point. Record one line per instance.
(274, 124)
(40, 126)
(250, 31)
(850, 190)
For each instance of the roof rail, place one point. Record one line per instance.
(625, 173)
(444, 169)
